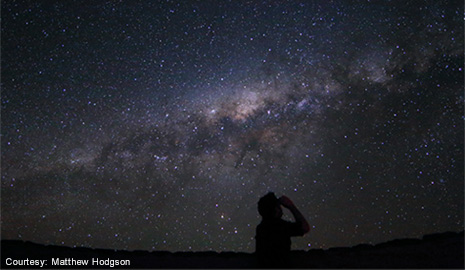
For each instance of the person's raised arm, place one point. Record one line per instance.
(299, 218)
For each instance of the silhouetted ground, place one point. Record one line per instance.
(444, 250)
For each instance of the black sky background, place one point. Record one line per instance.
(158, 125)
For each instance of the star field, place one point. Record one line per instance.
(157, 125)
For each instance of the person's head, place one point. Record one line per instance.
(269, 206)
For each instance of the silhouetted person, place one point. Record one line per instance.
(273, 235)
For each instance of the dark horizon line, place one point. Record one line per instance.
(367, 245)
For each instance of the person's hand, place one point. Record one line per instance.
(286, 202)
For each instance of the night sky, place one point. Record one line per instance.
(157, 125)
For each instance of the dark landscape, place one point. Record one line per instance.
(443, 250)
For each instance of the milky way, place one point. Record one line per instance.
(158, 125)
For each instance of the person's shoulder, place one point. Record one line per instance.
(262, 224)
